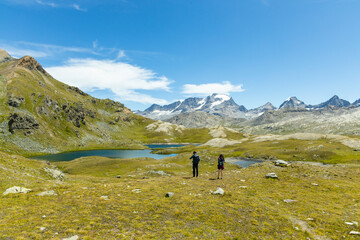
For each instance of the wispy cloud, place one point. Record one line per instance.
(51, 4)
(208, 88)
(123, 79)
(77, 7)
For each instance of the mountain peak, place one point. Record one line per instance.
(335, 101)
(30, 63)
(4, 56)
(292, 102)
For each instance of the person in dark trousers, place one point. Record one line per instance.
(195, 160)
(221, 161)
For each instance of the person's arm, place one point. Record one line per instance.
(191, 157)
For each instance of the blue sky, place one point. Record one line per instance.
(159, 51)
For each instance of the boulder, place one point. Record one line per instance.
(169, 194)
(354, 233)
(289, 201)
(75, 237)
(272, 175)
(219, 191)
(47, 193)
(161, 173)
(15, 101)
(281, 163)
(16, 189)
(55, 173)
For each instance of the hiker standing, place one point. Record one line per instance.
(195, 160)
(221, 161)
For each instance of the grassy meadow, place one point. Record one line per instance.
(104, 198)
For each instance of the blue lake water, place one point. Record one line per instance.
(111, 153)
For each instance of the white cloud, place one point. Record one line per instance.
(208, 88)
(122, 79)
(121, 54)
(77, 7)
(51, 4)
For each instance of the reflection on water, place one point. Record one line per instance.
(112, 153)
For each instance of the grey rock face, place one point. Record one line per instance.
(16, 189)
(18, 121)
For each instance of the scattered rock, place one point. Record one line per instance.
(76, 237)
(354, 233)
(272, 175)
(219, 191)
(310, 219)
(352, 223)
(281, 163)
(43, 216)
(161, 173)
(15, 101)
(243, 187)
(289, 200)
(104, 197)
(77, 90)
(169, 194)
(42, 229)
(47, 193)
(16, 189)
(55, 173)
(118, 176)
(314, 184)
(136, 190)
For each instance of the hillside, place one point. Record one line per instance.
(42, 115)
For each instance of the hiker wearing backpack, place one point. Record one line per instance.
(195, 160)
(221, 161)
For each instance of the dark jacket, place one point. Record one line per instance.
(195, 158)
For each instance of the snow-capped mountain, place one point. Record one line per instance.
(292, 103)
(217, 104)
(252, 113)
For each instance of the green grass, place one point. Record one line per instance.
(255, 212)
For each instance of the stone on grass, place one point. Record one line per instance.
(118, 176)
(42, 229)
(16, 189)
(271, 175)
(281, 163)
(219, 191)
(243, 187)
(47, 193)
(289, 200)
(169, 194)
(55, 173)
(315, 184)
(352, 223)
(104, 197)
(76, 237)
(354, 233)
(160, 173)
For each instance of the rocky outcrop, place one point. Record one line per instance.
(31, 64)
(55, 173)
(18, 121)
(16, 189)
(15, 101)
(77, 90)
(4, 56)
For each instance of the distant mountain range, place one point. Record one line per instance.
(224, 106)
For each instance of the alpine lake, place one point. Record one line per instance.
(125, 154)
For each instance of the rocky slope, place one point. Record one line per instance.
(39, 114)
